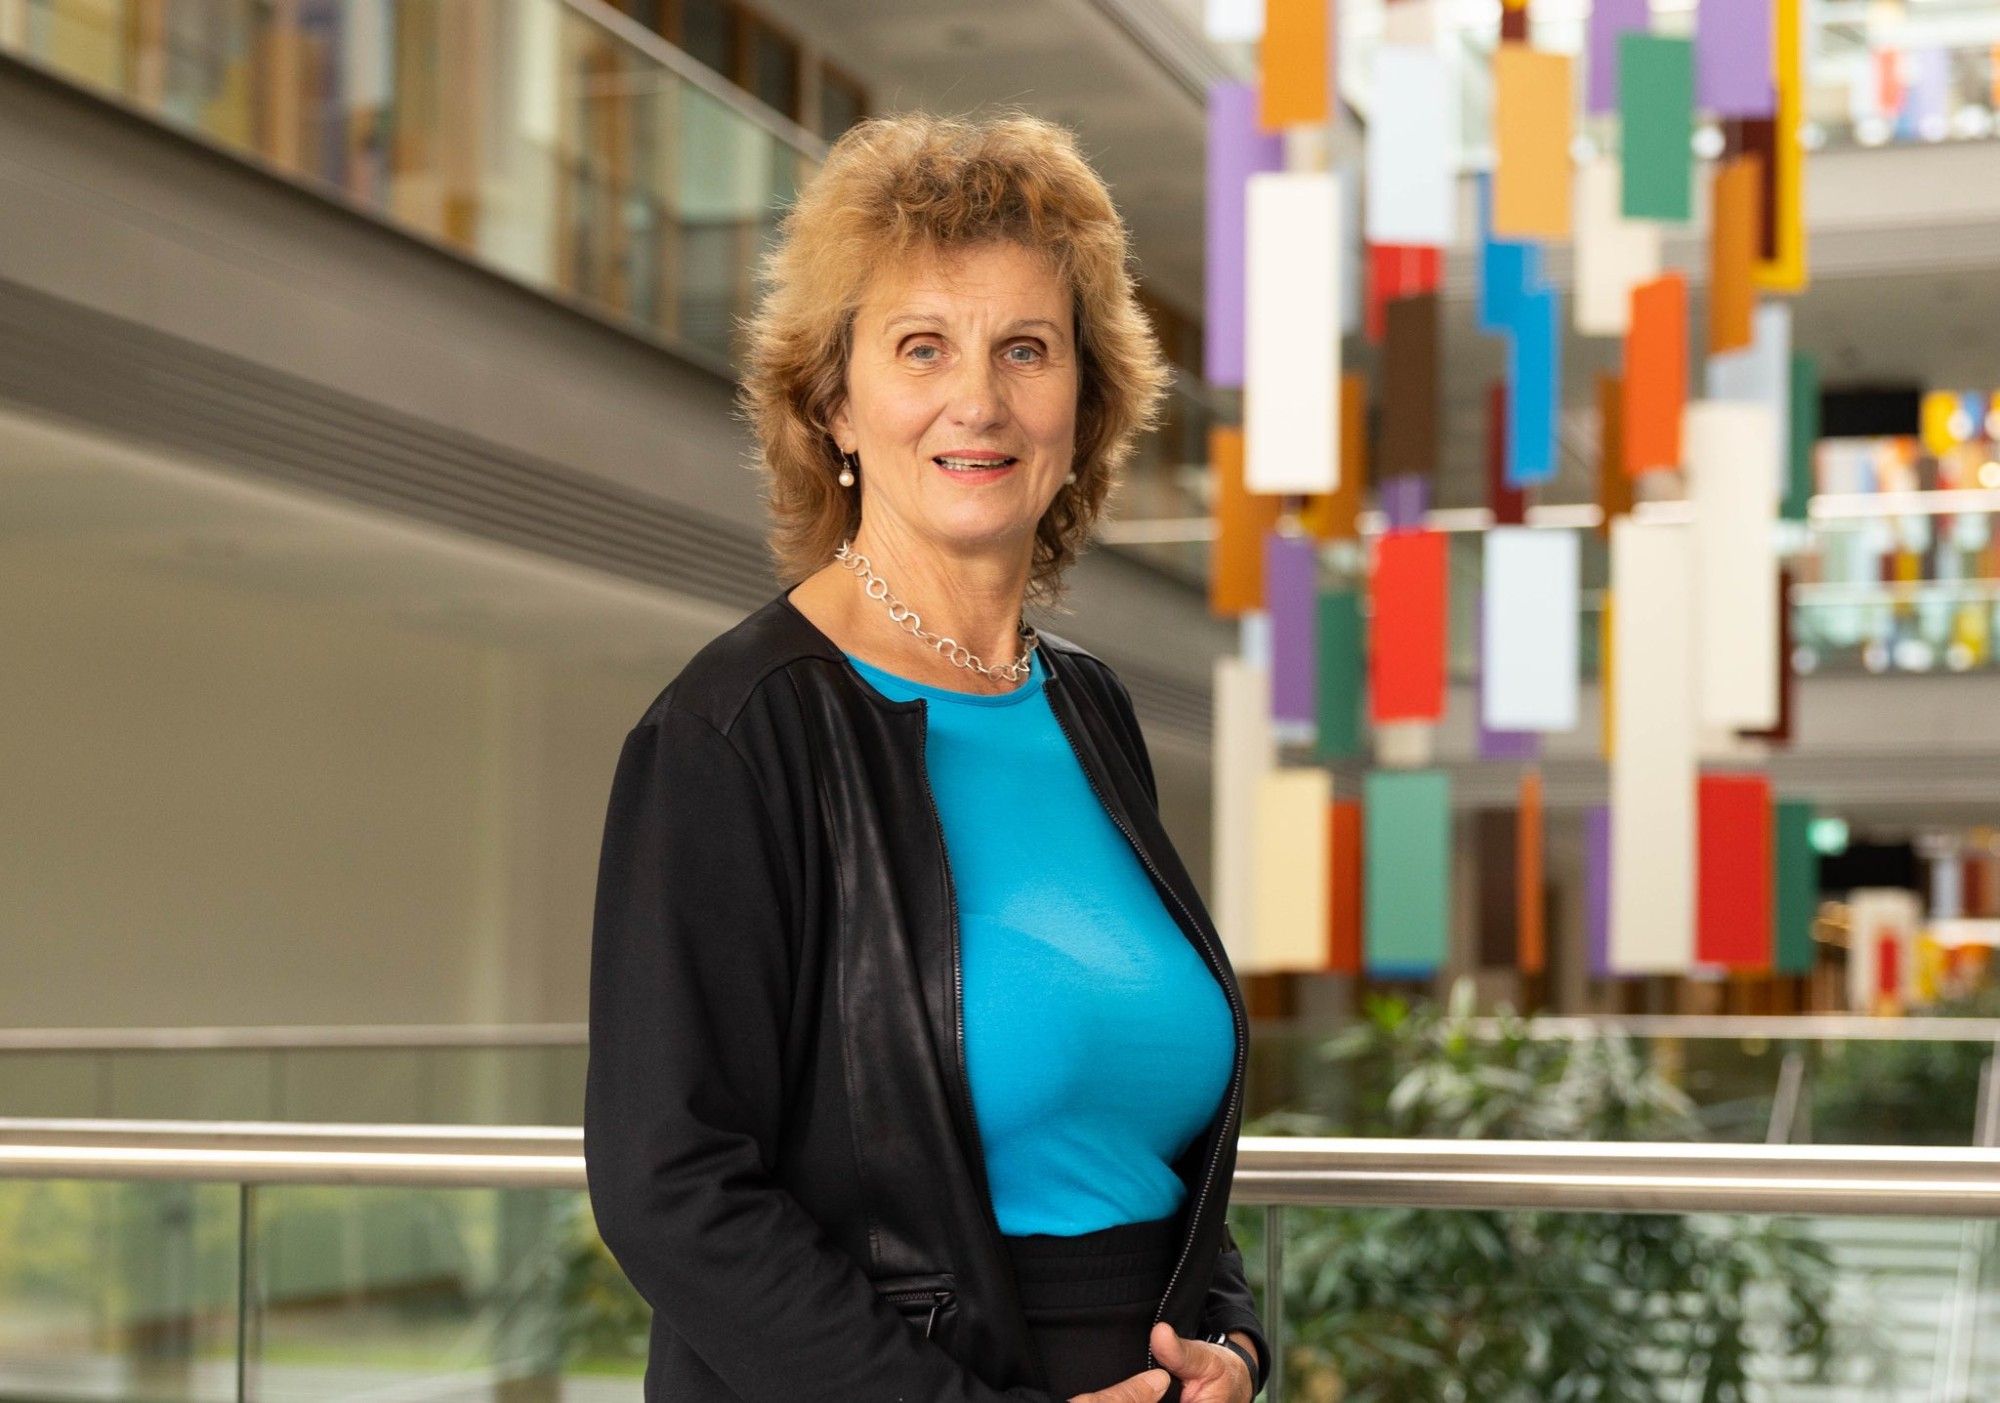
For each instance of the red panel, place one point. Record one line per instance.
(1398, 270)
(1406, 627)
(1509, 504)
(1734, 894)
(1343, 945)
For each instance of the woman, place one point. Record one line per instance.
(916, 1064)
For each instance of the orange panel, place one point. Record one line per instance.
(1242, 517)
(1656, 374)
(1293, 58)
(1734, 236)
(1531, 922)
(1330, 516)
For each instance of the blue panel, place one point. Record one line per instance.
(1534, 389)
(1508, 269)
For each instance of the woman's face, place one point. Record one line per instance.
(971, 354)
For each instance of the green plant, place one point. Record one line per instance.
(1402, 1304)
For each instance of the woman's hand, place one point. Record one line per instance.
(1148, 1387)
(1208, 1373)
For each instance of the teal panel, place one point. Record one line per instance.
(1406, 853)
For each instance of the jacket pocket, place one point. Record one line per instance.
(928, 1301)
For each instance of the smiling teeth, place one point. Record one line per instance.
(974, 462)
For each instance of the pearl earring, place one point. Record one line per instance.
(1070, 478)
(847, 471)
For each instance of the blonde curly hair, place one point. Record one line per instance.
(914, 184)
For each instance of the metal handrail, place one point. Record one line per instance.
(1828, 1180)
(294, 1039)
(1802, 1027)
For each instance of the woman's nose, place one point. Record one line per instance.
(976, 396)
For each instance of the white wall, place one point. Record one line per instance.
(222, 808)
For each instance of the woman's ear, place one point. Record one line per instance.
(841, 428)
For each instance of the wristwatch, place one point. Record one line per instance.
(1221, 1337)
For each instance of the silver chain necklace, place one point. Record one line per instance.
(875, 587)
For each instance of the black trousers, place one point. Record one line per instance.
(1090, 1300)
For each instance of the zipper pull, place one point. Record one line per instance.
(938, 1298)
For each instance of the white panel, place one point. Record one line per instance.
(1653, 757)
(1612, 252)
(1234, 21)
(1412, 160)
(1291, 868)
(1875, 915)
(1528, 629)
(1410, 22)
(1242, 751)
(1291, 347)
(1731, 461)
(1761, 373)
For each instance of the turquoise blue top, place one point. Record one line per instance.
(1097, 1042)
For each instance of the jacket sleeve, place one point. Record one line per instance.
(691, 976)
(1230, 1305)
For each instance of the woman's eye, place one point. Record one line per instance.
(1035, 353)
(923, 346)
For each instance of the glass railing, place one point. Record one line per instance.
(554, 141)
(1751, 1080)
(442, 1074)
(187, 1261)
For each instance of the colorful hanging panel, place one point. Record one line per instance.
(1236, 148)
(1613, 254)
(1406, 892)
(1343, 951)
(1656, 126)
(1529, 609)
(1406, 627)
(1731, 466)
(1656, 374)
(1291, 588)
(1292, 868)
(1734, 903)
(1292, 334)
(1242, 750)
(1342, 664)
(1242, 519)
(1797, 897)
(1531, 141)
(1653, 768)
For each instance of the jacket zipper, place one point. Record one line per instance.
(958, 1018)
(939, 1297)
(1215, 967)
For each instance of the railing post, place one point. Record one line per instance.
(1274, 1298)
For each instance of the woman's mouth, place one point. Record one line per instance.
(974, 469)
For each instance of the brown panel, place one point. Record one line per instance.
(1495, 835)
(1410, 408)
(1614, 487)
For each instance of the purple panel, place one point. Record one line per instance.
(1732, 58)
(1597, 887)
(1291, 585)
(1235, 148)
(1927, 101)
(1405, 500)
(1609, 19)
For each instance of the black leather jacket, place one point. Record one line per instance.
(778, 1130)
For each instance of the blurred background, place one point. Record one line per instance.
(367, 464)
